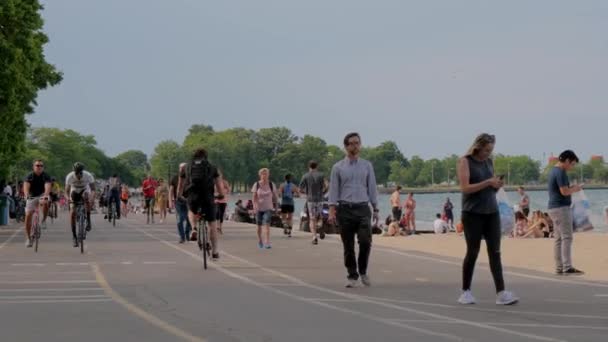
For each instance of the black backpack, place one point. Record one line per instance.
(201, 176)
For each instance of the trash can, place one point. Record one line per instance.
(3, 210)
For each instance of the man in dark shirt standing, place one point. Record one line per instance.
(313, 184)
(560, 193)
(37, 188)
(352, 188)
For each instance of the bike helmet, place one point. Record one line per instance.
(78, 167)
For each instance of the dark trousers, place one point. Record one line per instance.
(476, 227)
(355, 220)
(183, 224)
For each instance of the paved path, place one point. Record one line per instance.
(136, 283)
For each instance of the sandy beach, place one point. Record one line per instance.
(589, 251)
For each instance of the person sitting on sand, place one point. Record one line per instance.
(440, 226)
(521, 224)
(537, 226)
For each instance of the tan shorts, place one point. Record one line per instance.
(32, 204)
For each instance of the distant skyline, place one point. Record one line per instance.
(428, 75)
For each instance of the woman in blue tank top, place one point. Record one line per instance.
(287, 192)
(480, 216)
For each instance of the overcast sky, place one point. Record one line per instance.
(428, 74)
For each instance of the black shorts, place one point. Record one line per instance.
(124, 201)
(287, 209)
(205, 203)
(396, 211)
(54, 197)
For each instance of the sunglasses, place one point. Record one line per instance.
(39, 165)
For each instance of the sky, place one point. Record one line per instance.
(429, 75)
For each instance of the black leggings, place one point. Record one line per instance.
(221, 211)
(476, 227)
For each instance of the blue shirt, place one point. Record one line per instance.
(558, 178)
(353, 181)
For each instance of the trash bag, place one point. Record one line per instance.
(581, 212)
(507, 215)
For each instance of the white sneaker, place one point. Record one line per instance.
(29, 243)
(506, 298)
(350, 283)
(466, 298)
(365, 280)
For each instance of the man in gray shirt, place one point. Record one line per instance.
(352, 188)
(560, 199)
(313, 185)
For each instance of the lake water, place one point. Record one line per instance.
(427, 205)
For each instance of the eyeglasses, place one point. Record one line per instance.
(39, 165)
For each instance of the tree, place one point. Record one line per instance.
(381, 157)
(167, 156)
(136, 162)
(23, 73)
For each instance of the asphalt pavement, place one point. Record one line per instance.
(136, 283)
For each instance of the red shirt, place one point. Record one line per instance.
(149, 187)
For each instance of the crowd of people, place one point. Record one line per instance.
(199, 191)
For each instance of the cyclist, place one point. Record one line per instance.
(149, 188)
(113, 196)
(54, 197)
(36, 188)
(198, 182)
(80, 186)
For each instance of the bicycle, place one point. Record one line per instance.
(112, 212)
(36, 230)
(53, 210)
(202, 233)
(81, 225)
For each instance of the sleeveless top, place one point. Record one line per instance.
(483, 201)
(287, 197)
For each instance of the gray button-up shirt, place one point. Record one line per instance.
(353, 181)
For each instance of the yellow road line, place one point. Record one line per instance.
(139, 312)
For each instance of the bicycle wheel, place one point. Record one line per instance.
(81, 230)
(113, 215)
(202, 237)
(36, 234)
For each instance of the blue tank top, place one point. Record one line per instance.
(287, 197)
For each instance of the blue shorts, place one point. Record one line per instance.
(263, 217)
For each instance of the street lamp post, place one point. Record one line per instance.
(432, 174)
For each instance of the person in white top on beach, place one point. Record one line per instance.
(440, 226)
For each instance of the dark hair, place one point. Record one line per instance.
(115, 175)
(520, 216)
(351, 135)
(399, 187)
(288, 177)
(313, 164)
(438, 215)
(200, 153)
(568, 155)
(521, 188)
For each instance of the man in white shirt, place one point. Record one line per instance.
(80, 186)
(440, 226)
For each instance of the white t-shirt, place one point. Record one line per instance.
(8, 190)
(440, 226)
(79, 185)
